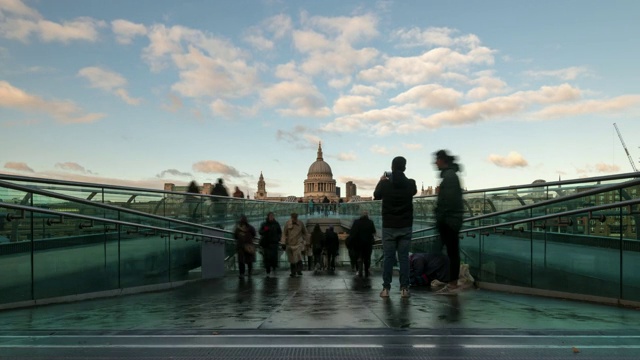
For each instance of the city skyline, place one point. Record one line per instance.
(151, 92)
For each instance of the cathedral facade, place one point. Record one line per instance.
(320, 182)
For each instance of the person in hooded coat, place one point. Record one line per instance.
(244, 234)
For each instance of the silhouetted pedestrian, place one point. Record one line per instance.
(396, 192)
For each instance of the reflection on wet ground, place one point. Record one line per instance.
(316, 302)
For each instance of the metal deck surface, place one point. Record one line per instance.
(319, 317)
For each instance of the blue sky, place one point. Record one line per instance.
(145, 92)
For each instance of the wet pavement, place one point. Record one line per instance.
(280, 316)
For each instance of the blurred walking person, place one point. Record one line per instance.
(449, 210)
(270, 234)
(244, 234)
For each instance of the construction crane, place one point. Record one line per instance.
(625, 148)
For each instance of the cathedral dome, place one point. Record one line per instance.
(320, 167)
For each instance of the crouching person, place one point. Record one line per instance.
(427, 269)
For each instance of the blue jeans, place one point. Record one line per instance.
(396, 240)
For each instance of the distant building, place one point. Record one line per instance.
(320, 182)
(351, 190)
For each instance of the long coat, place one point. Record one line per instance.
(244, 234)
(294, 237)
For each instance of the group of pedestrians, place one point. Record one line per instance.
(396, 192)
(293, 239)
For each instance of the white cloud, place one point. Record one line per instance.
(377, 149)
(512, 160)
(108, 81)
(502, 106)
(429, 96)
(226, 109)
(299, 98)
(175, 103)
(215, 167)
(19, 166)
(365, 90)
(72, 166)
(126, 31)
(566, 74)
(607, 168)
(208, 67)
(20, 22)
(300, 137)
(435, 36)
(173, 172)
(352, 104)
(65, 112)
(17, 7)
(589, 107)
(350, 156)
(331, 40)
(262, 37)
(378, 121)
(412, 146)
(425, 68)
(486, 85)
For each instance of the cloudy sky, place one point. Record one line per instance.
(145, 92)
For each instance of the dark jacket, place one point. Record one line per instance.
(244, 234)
(449, 207)
(317, 239)
(219, 190)
(425, 268)
(331, 241)
(361, 234)
(270, 234)
(396, 194)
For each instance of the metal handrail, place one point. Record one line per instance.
(599, 190)
(102, 205)
(111, 221)
(621, 204)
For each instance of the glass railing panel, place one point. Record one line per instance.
(15, 257)
(507, 259)
(80, 257)
(630, 232)
(144, 257)
(185, 254)
(586, 262)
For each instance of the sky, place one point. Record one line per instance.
(146, 92)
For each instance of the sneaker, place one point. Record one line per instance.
(437, 284)
(448, 290)
(292, 275)
(405, 293)
(384, 293)
(299, 273)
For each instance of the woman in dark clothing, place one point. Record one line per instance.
(270, 233)
(449, 210)
(317, 243)
(331, 243)
(244, 235)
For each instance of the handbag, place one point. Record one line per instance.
(249, 249)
